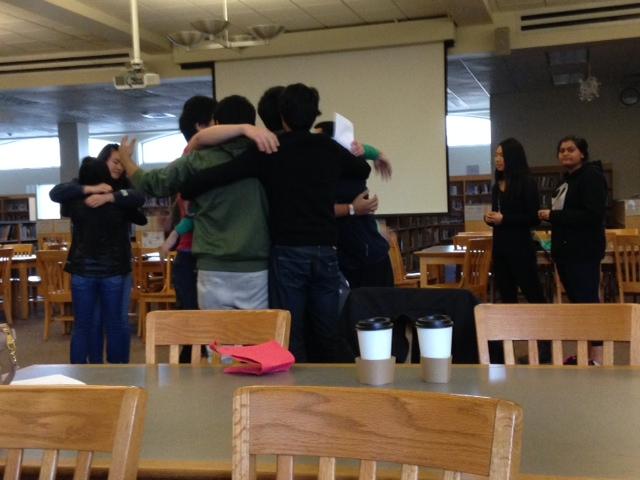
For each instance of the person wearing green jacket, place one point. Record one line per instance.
(231, 236)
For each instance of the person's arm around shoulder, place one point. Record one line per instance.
(265, 140)
(248, 164)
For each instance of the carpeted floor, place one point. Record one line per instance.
(32, 349)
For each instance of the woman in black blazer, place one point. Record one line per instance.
(514, 212)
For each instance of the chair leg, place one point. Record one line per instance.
(142, 315)
(47, 318)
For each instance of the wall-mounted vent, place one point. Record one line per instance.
(43, 63)
(581, 17)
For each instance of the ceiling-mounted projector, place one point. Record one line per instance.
(136, 79)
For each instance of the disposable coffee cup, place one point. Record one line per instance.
(435, 333)
(374, 338)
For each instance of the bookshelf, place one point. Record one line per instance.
(17, 219)
(471, 193)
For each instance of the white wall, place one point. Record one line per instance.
(540, 119)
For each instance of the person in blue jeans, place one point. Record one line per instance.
(99, 261)
(66, 192)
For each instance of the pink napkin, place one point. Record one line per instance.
(269, 357)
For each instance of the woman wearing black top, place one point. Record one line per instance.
(514, 211)
(577, 221)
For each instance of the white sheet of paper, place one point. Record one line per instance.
(343, 131)
(55, 379)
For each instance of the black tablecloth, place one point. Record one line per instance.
(406, 305)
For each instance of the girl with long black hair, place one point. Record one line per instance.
(514, 212)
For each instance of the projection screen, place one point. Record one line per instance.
(394, 96)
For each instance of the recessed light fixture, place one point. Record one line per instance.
(157, 115)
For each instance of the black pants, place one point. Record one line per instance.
(581, 280)
(515, 270)
(185, 277)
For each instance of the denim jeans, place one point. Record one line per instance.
(305, 281)
(107, 292)
(97, 335)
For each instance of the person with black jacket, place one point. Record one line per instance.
(99, 261)
(577, 220)
(515, 204)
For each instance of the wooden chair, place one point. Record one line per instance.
(33, 280)
(145, 295)
(475, 269)
(401, 278)
(627, 258)
(558, 323)
(83, 419)
(5, 283)
(54, 240)
(455, 433)
(461, 239)
(612, 233)
(201, 327)
(56, 284)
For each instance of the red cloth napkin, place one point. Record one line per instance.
(269, 357)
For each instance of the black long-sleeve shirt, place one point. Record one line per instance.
(519, 215)
(577, 231)
(300, 181)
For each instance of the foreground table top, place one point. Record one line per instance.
(578, 422)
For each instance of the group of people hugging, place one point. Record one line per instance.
(275, 217)
(269, 218)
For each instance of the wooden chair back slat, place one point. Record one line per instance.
(81, 419)
(201, 327)
(627, 258)
(13, 467)
(509, 356)
(583, 353)
(49, 465)
(284, 468)
(558, 322)
(367, 470)
(556, 353)
(532, 347)
(449, 475)
(83, 466)
(475, 435)
(409, 472)
(327, 468)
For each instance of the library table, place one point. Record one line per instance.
(579, 422)
(432, 258)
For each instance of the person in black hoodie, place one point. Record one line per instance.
(515, 207)
(577, 221)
